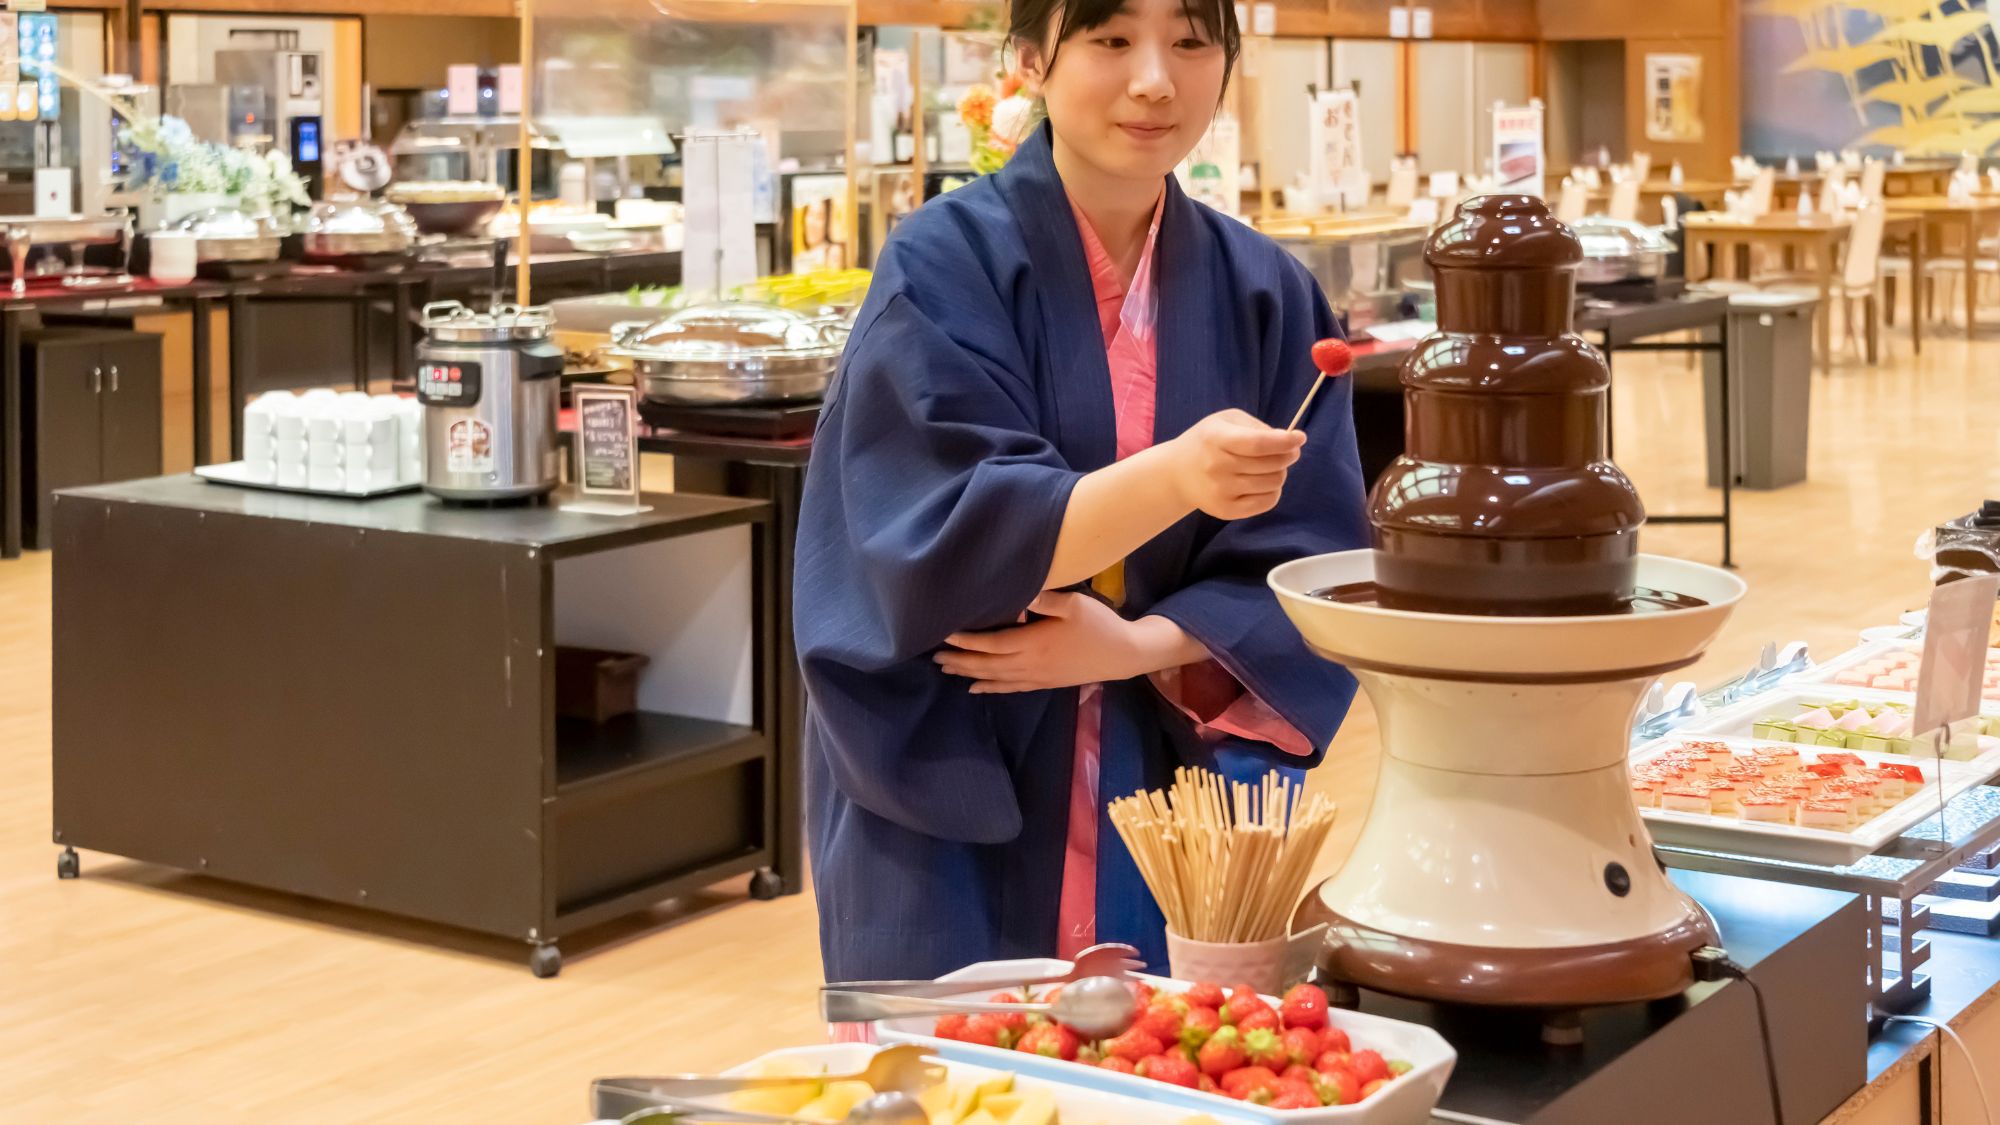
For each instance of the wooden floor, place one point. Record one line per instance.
(139, 994)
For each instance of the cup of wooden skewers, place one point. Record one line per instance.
(1228, 864)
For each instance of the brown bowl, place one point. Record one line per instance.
(457, 217)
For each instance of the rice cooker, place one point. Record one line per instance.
(491, 386)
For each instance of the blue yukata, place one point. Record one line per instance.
(974, 393)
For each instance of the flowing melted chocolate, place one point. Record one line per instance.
(1506, 501)
(1640, 600)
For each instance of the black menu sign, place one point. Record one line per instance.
(607, 448)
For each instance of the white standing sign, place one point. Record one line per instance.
(1952, 675)
(1518, 155)
(1335, 141)
(720, 252)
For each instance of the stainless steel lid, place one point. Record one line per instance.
(1606, 237)
(731, 334)
(224, 224)
(359, 216)
(452, 322)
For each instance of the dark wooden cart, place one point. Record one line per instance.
(354, 701)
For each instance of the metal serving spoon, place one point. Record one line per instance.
(882, 1109)
(1112, 959)
(899, 1070)
(1096, 1007)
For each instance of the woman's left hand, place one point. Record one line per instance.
(1079, 640)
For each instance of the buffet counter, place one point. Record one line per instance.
(313, 326)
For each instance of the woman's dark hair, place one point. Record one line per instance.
(1029, 23)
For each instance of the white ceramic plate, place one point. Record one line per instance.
(1788, 841)
(1406, 1101)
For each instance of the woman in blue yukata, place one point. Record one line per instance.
(1042, 504)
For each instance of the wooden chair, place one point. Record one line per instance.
(1859, 287)
(1873, 174)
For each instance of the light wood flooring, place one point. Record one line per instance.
(137, 994)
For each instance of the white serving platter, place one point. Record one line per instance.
(238, 473)
(1076, 1105)
(1728, 833)
(1406, 1101)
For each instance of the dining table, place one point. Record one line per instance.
(1812, 241)
(1947, 226)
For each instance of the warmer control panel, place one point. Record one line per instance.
(454, 383)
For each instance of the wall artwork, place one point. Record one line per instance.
(1919, 76)
(1673, 98)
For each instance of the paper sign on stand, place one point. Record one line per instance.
(607, 452)
(720, 252)
(1263, 19)
(1335, 140)
(1518, 155)
(1953, 673)
(1444, 185)
(1420, 23)
(510, 88)
(1399, 23)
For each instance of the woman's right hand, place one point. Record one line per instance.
(1231, 465)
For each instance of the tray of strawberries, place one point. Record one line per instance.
(1228, 1052)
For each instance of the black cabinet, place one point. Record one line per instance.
(91, 398)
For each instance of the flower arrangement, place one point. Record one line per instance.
(168, 158)
(998, 121)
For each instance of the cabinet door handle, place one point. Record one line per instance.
(97, 380)
(114, 378)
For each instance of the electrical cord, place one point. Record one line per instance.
(1712, 963)
(1942, 1028)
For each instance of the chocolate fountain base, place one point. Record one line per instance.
(1648, 968)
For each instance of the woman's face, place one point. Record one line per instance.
(1133, 96)
(815, 232)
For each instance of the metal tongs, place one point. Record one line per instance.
(1098, 1000)
(896, 1074)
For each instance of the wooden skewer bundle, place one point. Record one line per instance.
(1227, 863)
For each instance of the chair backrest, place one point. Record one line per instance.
(1574, 203)
(1760, 192)
(1642, 166)
(1864, 247)
(1872, 175)
(1625, 200)
(1402, 184)
(1831, 191)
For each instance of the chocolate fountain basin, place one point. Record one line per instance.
(1583, 648)
(1502, 861)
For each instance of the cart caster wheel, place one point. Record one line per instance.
(68, 866)
(765, 885)
(545, 961)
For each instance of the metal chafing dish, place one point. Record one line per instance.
(25, 232)
(354, 228)
(1616, 250)
(732, 353)
(227, 234)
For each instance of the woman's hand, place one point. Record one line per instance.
(1079, 640)
(1231, 465)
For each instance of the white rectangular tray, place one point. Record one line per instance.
(1789, 841)
(1823, 674)
(1406, 1101)
(235, 473)
(1075, 1104)
(1739, 719)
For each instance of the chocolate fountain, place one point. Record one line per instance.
(1506, 626)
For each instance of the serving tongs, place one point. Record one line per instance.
(1097, 999)
(896, 1074)
(882, 1109)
